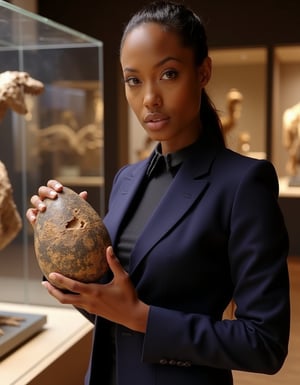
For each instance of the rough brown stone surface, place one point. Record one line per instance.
(70, 238)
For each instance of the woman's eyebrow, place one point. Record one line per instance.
(165, 60)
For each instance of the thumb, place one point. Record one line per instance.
(113, 261)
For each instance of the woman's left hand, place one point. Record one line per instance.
(116, 301)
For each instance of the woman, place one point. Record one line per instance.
(192, 227)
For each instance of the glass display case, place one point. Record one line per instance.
(238, 90)
(60, 136)
(286, 108)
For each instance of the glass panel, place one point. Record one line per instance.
(60, 136)
(238, 90)
(19, 27)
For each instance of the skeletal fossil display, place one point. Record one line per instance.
(13, 86)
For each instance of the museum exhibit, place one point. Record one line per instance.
(64, 116)
(51, 125)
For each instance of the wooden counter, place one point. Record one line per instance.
(57, 355)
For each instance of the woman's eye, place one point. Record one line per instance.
(170, 74)
(132, 81)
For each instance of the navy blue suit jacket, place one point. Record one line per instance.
(217, 234)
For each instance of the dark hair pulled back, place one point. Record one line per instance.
(188, 26)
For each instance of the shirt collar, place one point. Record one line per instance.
(170, 162)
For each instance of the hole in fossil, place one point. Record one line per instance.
(75, 223)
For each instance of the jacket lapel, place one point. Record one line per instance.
(189, 184)
(121, 199)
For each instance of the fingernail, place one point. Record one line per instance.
(53, 193)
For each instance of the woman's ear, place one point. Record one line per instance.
(205, 71)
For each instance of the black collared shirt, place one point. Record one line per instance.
(160, 173)
(169, 162)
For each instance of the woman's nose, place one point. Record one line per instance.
(152, 97)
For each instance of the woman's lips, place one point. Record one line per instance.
(155, 121)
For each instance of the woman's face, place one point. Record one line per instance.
(163, 85)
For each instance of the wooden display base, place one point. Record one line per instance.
(14, 336)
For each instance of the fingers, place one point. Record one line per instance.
(31, 215)
(72, 293)
(83, 195)
(39, 206)
(114, 263)
(55, 185)
(61, 296)
(50, 191)
(69, 284)
(58, 187)
(37, 202)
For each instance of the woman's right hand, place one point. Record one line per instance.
(50, 191)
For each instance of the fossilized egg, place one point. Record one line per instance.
(70, 238)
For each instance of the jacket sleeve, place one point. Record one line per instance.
(257, 338)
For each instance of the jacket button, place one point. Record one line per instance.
(163, 361)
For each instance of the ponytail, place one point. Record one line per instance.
(212, 126)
